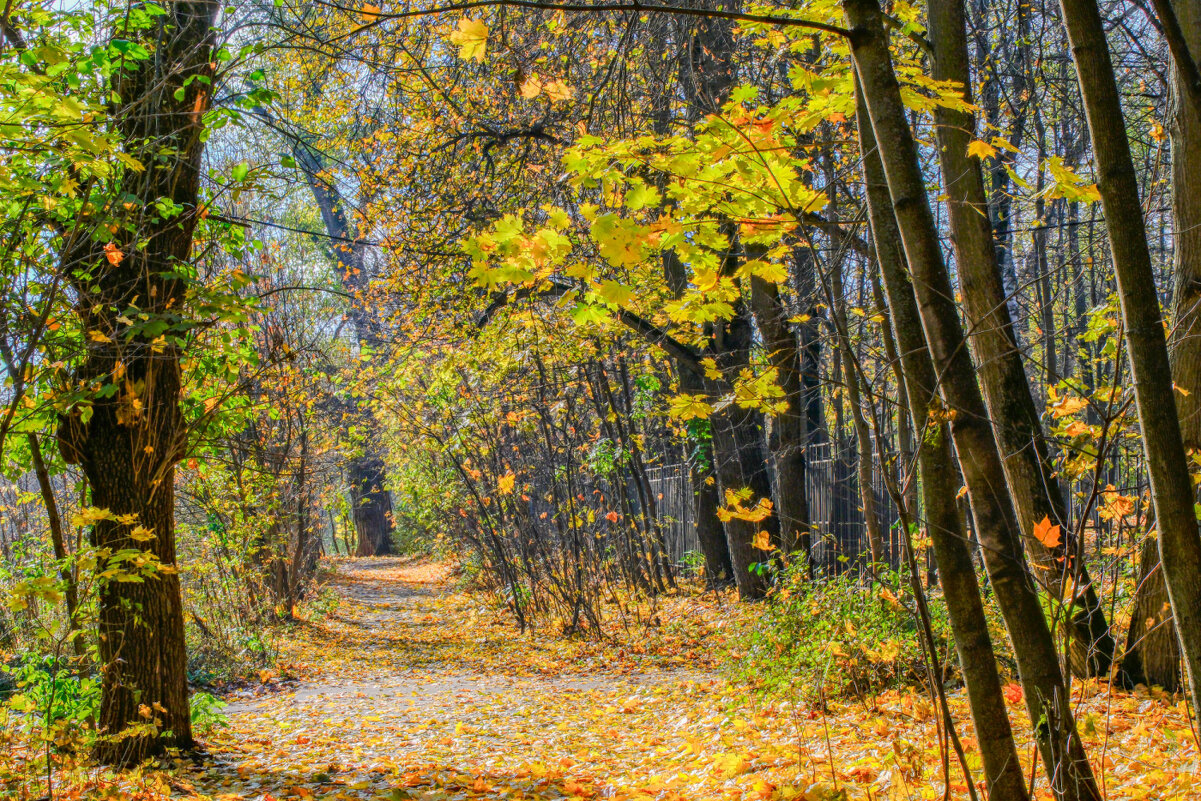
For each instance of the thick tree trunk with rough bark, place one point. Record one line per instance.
(735, 434)
(940, 482)
(1015, 416)
(1047, 699)
(719, 569)
(707, 73)
(129, 446)
(1152, 645)
(1171, 486)
(706, 499)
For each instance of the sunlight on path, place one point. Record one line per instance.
(410, 690)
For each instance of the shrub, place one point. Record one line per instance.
(839, 636)
(206, 713)
(52, 700)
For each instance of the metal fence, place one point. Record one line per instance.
(835, 510)
(839, 531)
(672, 488)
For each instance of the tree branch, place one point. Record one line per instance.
(684, 356)
(1186, 66)
(635, 6)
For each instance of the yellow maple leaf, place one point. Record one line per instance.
(472, 39)
(89, 516)
(141, 533)
(981, 150)
(504, 485)
(689, 407)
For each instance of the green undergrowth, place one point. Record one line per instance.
(840, 636)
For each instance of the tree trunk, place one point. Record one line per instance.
(740, 454)
(369, 496)
(863, 437)
(59, 541)
(709, 532)
(1047, 698)
(707, 74)
(939, 486)
(1014, 414)
(372, 506)
(1152, 647)
(705, 496)
(792, 432)
(129, 446)
(1171, 486)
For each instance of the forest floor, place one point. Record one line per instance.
(413, 689)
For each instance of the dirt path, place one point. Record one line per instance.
(412, 691)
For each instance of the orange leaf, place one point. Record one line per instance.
(113, 254)
(1047, 534)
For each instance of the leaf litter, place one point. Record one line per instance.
(413, 689)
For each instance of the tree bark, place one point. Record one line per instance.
(1015, 416)
(129, 446)
(1171, 486)
(939, 486)
(706, 499)
(1152, 646)
(1047, 698)
(707, 74)
(792, 431)
(58, 540)
(740, 453)
(862, 432)
(372, 505)
(709, 532)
